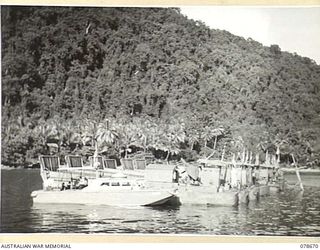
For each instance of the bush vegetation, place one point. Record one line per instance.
(126, 79)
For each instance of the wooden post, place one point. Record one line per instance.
(257, 161)
(278, 154)
(225, 175)
(243, 156)
(240, 176)
(219, 182)
(233, 158)
(223, 152)
(267, 158)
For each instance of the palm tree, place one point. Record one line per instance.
(193, 138)
(147, 130)
(58, 130)
(89, 130)
(279, 144)
(206, 135)
(71, 133)
(238, 146)
(128, 136)
(107, 132)
(44, 130)
(153, 133)
(170, 137)
(10, 129)
(216, 133)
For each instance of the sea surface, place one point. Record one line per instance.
(290, 213)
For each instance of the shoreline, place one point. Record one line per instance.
(286, 170)
(301, 170)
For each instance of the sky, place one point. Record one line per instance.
(295, 29)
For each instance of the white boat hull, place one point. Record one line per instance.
(114, 198)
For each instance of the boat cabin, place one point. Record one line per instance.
(112, 183)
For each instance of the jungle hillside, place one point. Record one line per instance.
(128, 80)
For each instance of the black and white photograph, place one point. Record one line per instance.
(161, 120)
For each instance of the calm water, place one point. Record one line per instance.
(289, 213)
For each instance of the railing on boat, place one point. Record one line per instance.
(74, 163)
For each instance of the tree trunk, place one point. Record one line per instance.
(215, 143)
(219, 180)
(278, 154)
(191, 146)
(167, 158)
(96, 148)
(126, 152)
(59, 146)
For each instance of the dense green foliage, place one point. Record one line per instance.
(149, 79)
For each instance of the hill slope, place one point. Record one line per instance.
(66, 65)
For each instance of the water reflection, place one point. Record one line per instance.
(287, 213)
